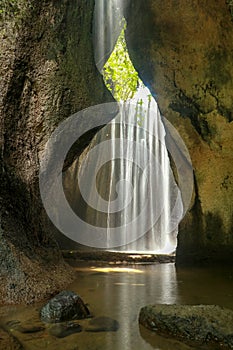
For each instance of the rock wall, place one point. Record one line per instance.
(183, 51)
(47, 73)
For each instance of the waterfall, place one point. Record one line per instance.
(107, 26)
(126, 174)
(137, 182)
(121, 193)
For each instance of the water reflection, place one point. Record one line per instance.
(213, 285)
(119, 293)
(125, 291)
(161, 288)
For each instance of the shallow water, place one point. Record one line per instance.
(120, 292)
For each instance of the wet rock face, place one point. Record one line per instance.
(190, 54)
(65, 306)
(47, 73)
(183, 51)
(199, 324)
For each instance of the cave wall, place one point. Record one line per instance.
(183, 51)
(47, 73)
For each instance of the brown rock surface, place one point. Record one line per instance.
(47, 73)
(183, 51)
(209, 325)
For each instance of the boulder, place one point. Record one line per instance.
(196, 324)
(65, 306)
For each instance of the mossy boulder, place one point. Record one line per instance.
(65, 306)
(199, 325)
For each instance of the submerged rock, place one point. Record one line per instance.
(65, 306)
(63, 330)
(102, 324)
(16, 325)
(29, 330)
(201, 324)
(7, 341)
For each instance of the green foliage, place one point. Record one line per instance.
(140, 112)
(142, 107)
(119, 73)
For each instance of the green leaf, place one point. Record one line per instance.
(120, 76)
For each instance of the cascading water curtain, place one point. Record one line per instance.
(120, 193)
(137, 181)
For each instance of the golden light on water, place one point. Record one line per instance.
(127, 284)
(115, 269)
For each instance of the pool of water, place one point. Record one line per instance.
(119, 293)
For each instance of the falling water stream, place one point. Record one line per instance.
(127, 164)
